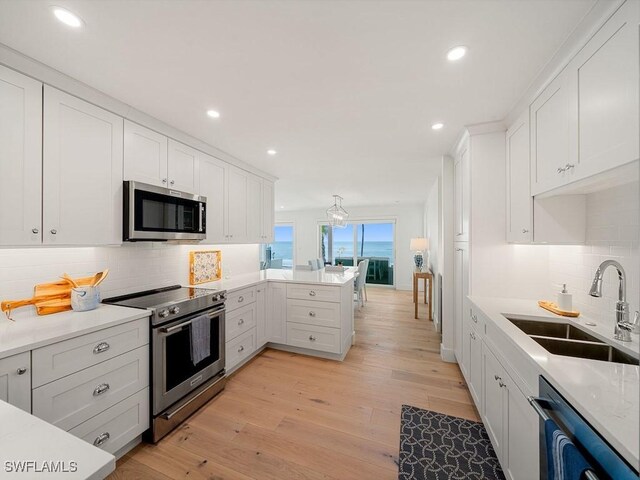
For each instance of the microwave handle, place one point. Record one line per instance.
(189, 322)
(201, 216)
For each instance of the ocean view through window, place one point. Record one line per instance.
(279, 254)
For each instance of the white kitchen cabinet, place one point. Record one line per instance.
(183, 170)
(236, 205)
(145, 155)
(212, 186)
(268, 211)
(519, 199)
(494, 401)
(254, 209)
(261, 315)
(475, 366)
(277, 312)
(461, 175)
(82, 172)
(461, 290)
(604, 94)
(20, 159)
(15, 380)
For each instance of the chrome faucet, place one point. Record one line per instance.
(623, 327)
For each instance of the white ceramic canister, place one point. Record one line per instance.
(85, 298)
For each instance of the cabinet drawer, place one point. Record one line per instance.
(313, 337)
(76, 398)
(324, 314)
(15, 381)
(116, 426)
(477, 321)
(313, 292)
(240, 321)
(240, 298)
(240, 348)
(64, 358)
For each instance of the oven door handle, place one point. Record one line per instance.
(168, 330)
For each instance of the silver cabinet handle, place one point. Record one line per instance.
(240, 299)
(241, 349)
(312, 314)
(312, 293)
(100, 389)
(164, 180)
(21, 370)
(472, 335)
(241, 321)
(524, 230)
(172, 182)
(501, 383)
(569, 166)
(496, 377)
(459, 249)
(474, 318)
(312, 338)
(101, 347)
(459, 234)
(53, 231)
(35, 230)
(100, 439)
(561, 169)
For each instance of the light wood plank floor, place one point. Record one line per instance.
(288, 416)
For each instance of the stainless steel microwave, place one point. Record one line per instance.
(159, 214)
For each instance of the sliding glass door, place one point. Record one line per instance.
(279, 254)
(373, 241)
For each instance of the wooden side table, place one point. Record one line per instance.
(427, 277)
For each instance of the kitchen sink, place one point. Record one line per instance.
(565, 339)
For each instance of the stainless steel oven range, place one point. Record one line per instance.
(187, 350)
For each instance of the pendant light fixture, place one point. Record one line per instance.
(337, 215)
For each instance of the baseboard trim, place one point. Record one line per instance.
(447, 354)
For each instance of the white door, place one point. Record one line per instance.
(236, 219)
(183, 167)
(268, 211)
(20, 159)
(261, 315)
(212, 175)
(553, 156)
(145, 155)
(522, 452)
(519, 199)
(604, 77)
(494, 404)
(82, 172)
(15, 380)
(461, 290)
(254, 209)
(277, 313)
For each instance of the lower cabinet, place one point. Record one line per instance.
(313, 337)
(277, 312)
(239, 349)
(15, 380)
(261, 316)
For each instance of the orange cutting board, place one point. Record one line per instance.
(552, 307)
(61, 287)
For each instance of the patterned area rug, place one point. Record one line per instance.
(434, 446)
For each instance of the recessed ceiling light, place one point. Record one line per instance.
(456, 53)
(437, 126)
(271, 152)
(66, 17)
(213, 113)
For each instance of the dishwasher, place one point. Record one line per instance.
(607, 464)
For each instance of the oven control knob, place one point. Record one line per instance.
(163, 313)
(174, 310)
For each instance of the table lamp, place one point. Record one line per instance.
(419, 245)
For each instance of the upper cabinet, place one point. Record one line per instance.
(268, 211)
(20, 159)
(519, 200)
(145, 155)
(260, 210)
(461, 175)
(183, 167)
(82, 172)
(236, 214)
(212, 185)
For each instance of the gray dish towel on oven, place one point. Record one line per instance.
(200, 338)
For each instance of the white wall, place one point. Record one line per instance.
(133, 267)
(409, 223)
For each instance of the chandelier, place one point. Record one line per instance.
(337, 215)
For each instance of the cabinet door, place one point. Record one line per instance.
(461, 290)
(236, 219)
(277, 313)
(553, 155)
(254, 209)
(82, 172)
(20, 159)
(212, 177)
(494, 404)
(261, 315)
(475, 366)
(145, 155)
(15, 380)
(522, 450)
(268, 211)
(519, 199)
(605, 79)
(183, 167)
(462, 177)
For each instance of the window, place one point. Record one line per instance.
(373, 241)
(279, 254)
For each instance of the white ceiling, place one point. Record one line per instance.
(345, 91)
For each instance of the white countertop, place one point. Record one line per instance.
(313, 277)
(29, 331)
(25, 438)
(606, 394)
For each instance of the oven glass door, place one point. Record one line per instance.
(175, 371)
(156, 212)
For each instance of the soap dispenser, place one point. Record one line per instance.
(565, 299)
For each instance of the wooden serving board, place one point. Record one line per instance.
(60, 304)
(552, 307)
(205, 266)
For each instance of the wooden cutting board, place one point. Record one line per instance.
(552, 307)
(60, 304)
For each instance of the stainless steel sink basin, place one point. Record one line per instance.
(565, 339)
